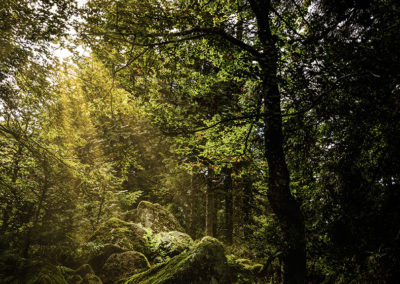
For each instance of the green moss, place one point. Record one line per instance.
(68, 274)
(131, 216)
(205, 263)
(156, 217)
(160, 273)
(91, 279)
(169, 244)
(75, 279)
(128, 236)
(246, 264)
(122, 265)
(82, 275)
(98, 257)
(83, 270)
(245, 270)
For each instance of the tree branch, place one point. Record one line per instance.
(252, 124)
(191, 34)
(223, 121)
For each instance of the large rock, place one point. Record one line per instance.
(169, 244)
(121, 265)
(99, 257)
(126, 235)
(154, 216)
(205, 263)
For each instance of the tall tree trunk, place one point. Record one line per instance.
(210, 207)
(228, 206)
(282, 202)
(216, 202)
(246, 207)
(194, 208)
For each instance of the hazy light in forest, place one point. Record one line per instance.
(63, 53)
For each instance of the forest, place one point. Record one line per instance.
(199, 141)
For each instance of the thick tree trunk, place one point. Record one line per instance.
(228, 206)
(282, 202)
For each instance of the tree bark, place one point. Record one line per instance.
(210, 207)
(194, 206)
(246, 207)
(282, 202)
(228, 206)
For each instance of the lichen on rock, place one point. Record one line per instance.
(154, 216)
(126, 235)
(122, 265)
(204, 263)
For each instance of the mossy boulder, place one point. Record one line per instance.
(130, 216)
(204, 263)
(126, 235)
(122, 265)
(244, 270)
(99, 256)
(169, 244)
(154, 216)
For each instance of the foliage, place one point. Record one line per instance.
(277, 122)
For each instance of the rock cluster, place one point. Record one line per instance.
(148, 246)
